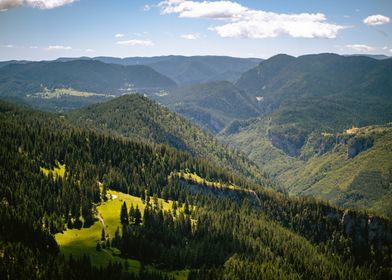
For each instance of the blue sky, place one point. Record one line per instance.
(47, 29)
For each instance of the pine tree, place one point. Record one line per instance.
(124, 215)
(131, 214)
(138, 216)
(104, 193)
(186, 208)
(174, 206)
(103, 234)
(98, 247)
(155, 201)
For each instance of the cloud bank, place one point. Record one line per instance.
(190, 36)
(376, 20)
(131, 43)
(244, 22)
(40, 4)
(59, 48)
(360, 48)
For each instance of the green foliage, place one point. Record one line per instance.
(211, 106)
(228, 233)
(138, 118)
(81, 75)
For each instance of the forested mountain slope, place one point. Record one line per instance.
(136, 117)
(83, 75)
(307, 97)
(320, 92)
(212, 105)
(228, 234)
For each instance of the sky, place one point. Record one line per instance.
(48, 29)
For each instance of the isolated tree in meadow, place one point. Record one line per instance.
(124, 215)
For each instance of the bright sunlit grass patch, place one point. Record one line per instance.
(77, 242)
(58, 170)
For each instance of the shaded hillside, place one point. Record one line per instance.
(83, 75)
(211, 106)
(139, 118)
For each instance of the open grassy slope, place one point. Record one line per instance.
(77, 242)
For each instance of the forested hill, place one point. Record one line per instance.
(324, 91)
(222, 233)
(212, 106)
(136, 117)
(83, 75)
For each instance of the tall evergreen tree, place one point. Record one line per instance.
(124, 215)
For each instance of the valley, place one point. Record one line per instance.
(280, 173)
(195, 140)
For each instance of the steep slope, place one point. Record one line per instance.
(349, 169)
(139, 118)
(303, 98)
(83, 75)
(219, 233)
(325, 91)
(212, 105)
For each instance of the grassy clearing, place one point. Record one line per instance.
(84, 241)
(193, 177)
(60, 92)
(58, 170)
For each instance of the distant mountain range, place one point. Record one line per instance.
(279, 112)
(185, 70)
(84, 75)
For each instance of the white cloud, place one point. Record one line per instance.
(59, 47)
(390, 50)
(376, 20)
(90, 50)
(119, 35)
(40, 4)
(147, 7)
(361, 48)
(9, 46)
(205, 9)
(33, 47)
(248, 23)
(190, 36)
(134, 42)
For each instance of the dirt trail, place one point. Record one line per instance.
(101, 220)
